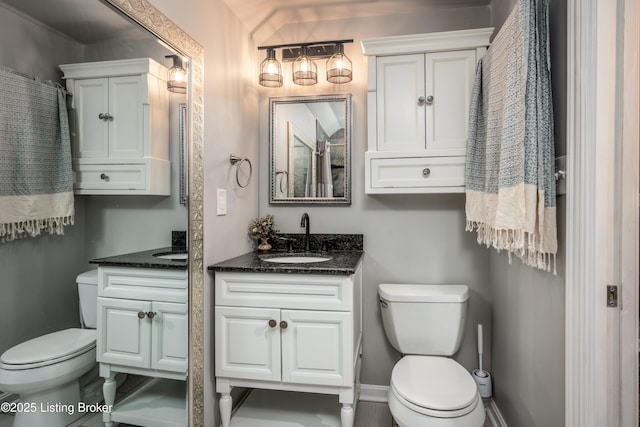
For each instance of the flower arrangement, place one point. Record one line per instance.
(262, 228)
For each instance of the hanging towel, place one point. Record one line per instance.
(510, 176)
(325, 180)
(36, 179)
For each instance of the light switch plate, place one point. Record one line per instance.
(222, 202)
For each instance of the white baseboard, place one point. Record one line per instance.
(373, 393)
(378, 393)
(495, 416)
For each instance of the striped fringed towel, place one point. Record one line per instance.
(510, 180)
(36, 180)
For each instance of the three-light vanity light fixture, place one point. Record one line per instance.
(304, 70)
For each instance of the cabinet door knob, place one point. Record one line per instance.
(283, 325)
(426, 172)
(272, 323)
(104, 176)
(421, 100)
(151, 314)
(429, 99)
(141, 314)
(105, 116)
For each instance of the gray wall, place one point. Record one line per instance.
(408, 238)
(38, 275)
(528, 305)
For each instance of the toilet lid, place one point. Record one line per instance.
(50, 348)
(433, 382)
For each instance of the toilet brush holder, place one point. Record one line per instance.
(483, 379)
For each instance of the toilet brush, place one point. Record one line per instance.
(482, 377)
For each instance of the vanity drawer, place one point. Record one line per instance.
(417, 173)
(312, 292)
(143, 284)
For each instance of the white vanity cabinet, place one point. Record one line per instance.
(296, 332)
(143, 329)
(120, 126)
(419, 93)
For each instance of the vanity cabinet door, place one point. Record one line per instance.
(247, 343)
(316, 347)
(169, 334)
(124, 332)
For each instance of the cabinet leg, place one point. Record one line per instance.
(225, 409)
(109, 392)
(347, 415)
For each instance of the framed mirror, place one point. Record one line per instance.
(310, 149)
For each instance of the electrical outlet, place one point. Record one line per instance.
(222, 202)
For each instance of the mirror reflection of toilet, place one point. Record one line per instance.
(428, 388)
(48, 369)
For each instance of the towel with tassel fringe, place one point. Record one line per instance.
(509, 176)
(36, 179)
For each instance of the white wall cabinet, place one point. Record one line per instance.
(120, 127)
(288, 332)
(143, 329)
(419, 94)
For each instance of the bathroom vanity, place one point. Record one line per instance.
(142, 329)
(293, 326)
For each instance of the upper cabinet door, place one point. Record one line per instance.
(92, 104)
(448, 93)
(126, 124)
(400, 102)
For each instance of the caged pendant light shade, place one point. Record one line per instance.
(339, 69)
(270, 70)
(305, 71)
(177, 76)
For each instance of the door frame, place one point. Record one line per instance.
(601, 353)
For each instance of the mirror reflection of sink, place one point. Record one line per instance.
(296, 259)
(173, 256)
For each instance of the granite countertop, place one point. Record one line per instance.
(145, 259)
(341, 263)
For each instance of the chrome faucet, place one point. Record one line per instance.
(305, 222)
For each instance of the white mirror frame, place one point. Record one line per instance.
(150, 18)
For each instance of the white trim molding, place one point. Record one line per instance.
(373, 393)
(602, 170)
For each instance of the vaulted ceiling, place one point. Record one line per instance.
(264, 17)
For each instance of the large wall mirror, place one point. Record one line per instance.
(310, 149)
(40, 35)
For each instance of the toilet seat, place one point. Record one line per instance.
(49, 349)
(434, 386)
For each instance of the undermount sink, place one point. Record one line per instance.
(296, 259)
(173, 256)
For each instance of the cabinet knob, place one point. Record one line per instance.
(105, 116)
(272, 323)
(104, 176)
(421, 100)
(141, 314)
(283, 325)
(151, 314)
(426, 172)
(429, 99)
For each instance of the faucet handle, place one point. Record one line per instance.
(325, 244)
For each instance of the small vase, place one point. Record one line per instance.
(264, 245)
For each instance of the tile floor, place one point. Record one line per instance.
(369, 414)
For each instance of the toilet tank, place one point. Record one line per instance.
(424, 319)
(88, 293)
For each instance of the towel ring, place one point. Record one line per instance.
(237, 161)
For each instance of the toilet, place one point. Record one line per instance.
(426, 324)
(46, 371)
